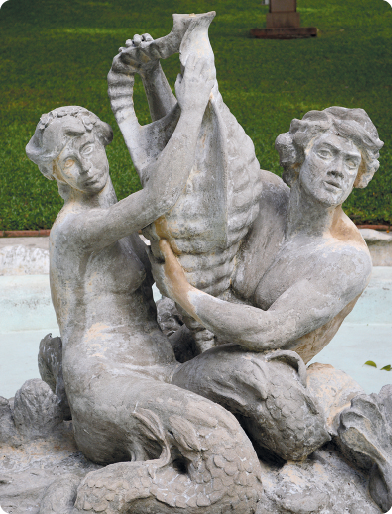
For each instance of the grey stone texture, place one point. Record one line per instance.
(122, 402)
(27, 470)
(366, 429)
(258, 278)
(267, 393)
(45, 474)
(50, 365)
(323, 484)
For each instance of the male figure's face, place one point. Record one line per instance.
(83, 164)
(330, 168)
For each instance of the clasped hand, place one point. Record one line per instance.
(192, 88)
(134, 57)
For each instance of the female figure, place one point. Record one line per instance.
(298, 274)
(116, 363)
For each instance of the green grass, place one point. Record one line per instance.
(56, 52)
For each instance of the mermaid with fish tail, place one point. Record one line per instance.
(165, 448)
(202, 460)
(215, 212)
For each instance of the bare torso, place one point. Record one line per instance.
(110, 321)
(271, 264)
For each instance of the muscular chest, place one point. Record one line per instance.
(295, 261)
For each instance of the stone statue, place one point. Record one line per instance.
(291, 295)
(206, 225)
(116, 362)
(262, 277)
(295, 292)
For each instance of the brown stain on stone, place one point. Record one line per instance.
(179, 285)
(361, 171)
(163, 232)
(344, 229)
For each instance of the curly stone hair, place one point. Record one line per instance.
(354, 124)
(56, 128)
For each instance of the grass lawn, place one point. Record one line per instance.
(57, 52)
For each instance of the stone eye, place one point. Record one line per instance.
(351, 164)
(324, 153)
(68, 163)
(88, 149)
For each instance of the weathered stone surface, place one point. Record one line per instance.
(333, 390)
(27, 471)
(8, 432)
(265, 272)
(294, 280)
(266, 391)
(116, 362)
(50, 365)
(36, 412)
(323, 484)
(366, 429)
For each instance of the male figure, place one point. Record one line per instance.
(299, 287)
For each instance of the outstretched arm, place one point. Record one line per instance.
(305, 306)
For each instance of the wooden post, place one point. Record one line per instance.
(283, 15)
(283, 22)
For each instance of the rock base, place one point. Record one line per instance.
(324, 483)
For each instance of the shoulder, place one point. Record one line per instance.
(343, 229)
(273, 186)
(352, 247)
(273, 204)
(343, 266)
(70, 230)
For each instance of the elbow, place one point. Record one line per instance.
(164, 203)
(157, 206)
(168, 203)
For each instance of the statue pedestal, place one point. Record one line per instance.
(283, 22)
(284, 33)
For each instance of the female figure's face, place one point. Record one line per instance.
(330, 168)
(83, 164)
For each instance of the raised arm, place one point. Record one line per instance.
(158, 91)
(144, 143)
(305, 306)
(168, 172)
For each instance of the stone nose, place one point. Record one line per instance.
(337, 167)
(86, 165)
(335, 172)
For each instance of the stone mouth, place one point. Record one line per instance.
(334, 184)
